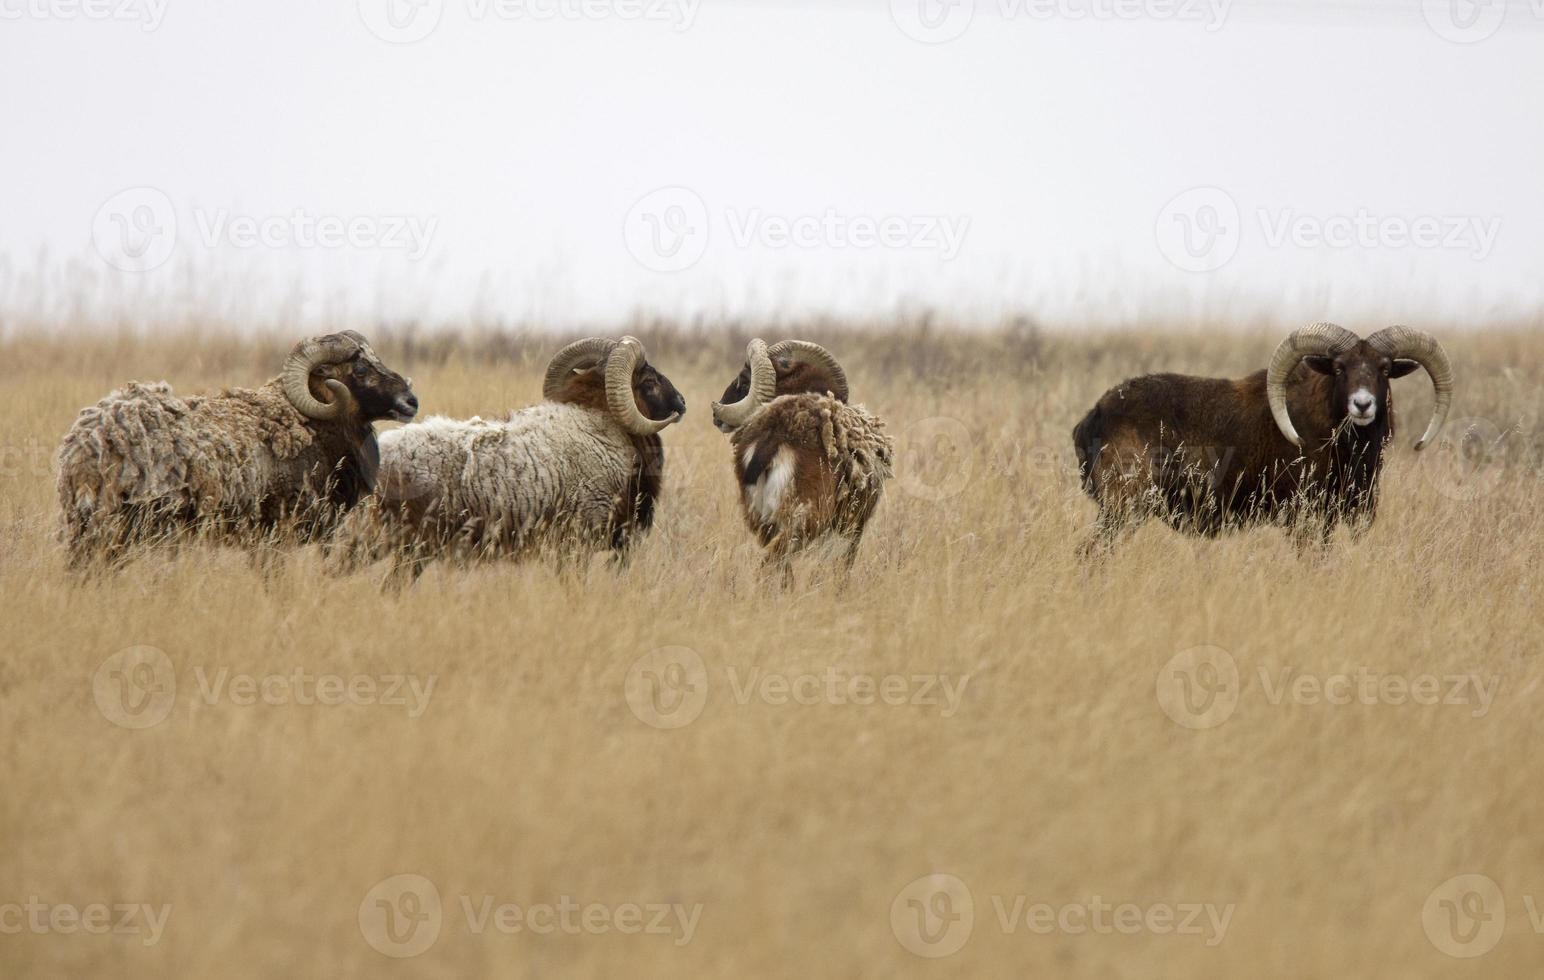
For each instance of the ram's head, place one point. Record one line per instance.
(614, 375)
(339, 375)
(791, 367)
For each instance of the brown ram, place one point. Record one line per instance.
(1298, 443)
(807, 464)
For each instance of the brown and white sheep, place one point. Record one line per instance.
(807, 464)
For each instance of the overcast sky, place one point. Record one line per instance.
(570, 160)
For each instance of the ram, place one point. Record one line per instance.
(1300, 443)
(145, 465)
(807, 464)
(577, 473)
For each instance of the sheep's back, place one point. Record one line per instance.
(544, 464)
(142, 444)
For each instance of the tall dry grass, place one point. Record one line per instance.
(1321, 830)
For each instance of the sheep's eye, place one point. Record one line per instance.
(359, 369)
(1339, 369)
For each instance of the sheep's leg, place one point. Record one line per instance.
(779, 558)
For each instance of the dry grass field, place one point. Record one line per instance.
(668, 769)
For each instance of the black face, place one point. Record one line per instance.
(1360, 389)
(657, 398)
(379, 392)
(738, 389)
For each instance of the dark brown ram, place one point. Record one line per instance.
(1300, 443)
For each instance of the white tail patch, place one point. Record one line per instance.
(764, 496)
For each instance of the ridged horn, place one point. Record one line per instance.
(295, 379)
(581, 353)
(807, 352)
(625, 358)
(1421, 347)
(763, 387)
(1316, 339)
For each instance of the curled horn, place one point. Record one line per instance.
(579, 354)
(295, 379)
(625, 358)
(805, 352)
(1320, 339)
(762, 390)
(1423, 349)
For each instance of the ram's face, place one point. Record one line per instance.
(737, 390)
(378, 391)
(656, 397)
(1360, 382)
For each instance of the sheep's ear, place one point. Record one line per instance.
(1319, 363)
(1402, 367)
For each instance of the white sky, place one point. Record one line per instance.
(1054, 143)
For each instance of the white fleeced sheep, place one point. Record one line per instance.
(578, 472)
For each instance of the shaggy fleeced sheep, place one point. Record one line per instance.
(1205, 454)
(579, 472)
(145, 465)
(807, 464)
